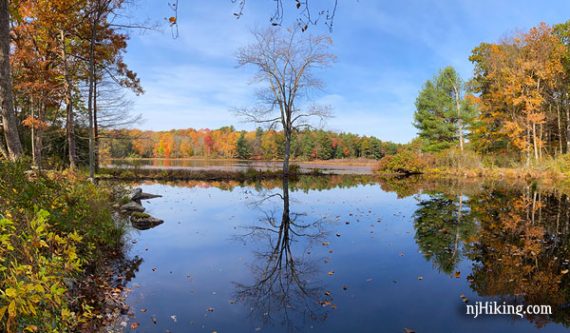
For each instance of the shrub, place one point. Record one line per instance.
(405, 162)
(560, 164)
(36, 261)
(453, 158)
(42, 254)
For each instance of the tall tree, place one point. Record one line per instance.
(9, 122)
(520, 82)
(286, 60)
(442, 113)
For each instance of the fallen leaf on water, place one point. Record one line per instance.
(173, 317)
(134, 326)
(324, 304)
(331, 273)
(143, 310)
(327, 293)
(420, 277)
(326, 243)
(457, 274)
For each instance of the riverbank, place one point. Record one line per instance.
(62, 258)
(131, 174)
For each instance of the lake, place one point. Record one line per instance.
(350, 254)
(358, 167)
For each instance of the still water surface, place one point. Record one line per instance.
(241, 165)
(349, 254)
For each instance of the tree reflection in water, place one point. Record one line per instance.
(285, 290)
(443, 223)
(517, 238)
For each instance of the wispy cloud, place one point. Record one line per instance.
(386, 50)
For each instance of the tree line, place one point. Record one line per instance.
(516, 105)
(226, 142)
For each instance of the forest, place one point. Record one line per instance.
(226, 142)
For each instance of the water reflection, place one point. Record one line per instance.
(444, 225)
(517, 240)
(256, 250)
(286, 290)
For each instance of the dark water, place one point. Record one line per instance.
(350, 254)
(240, 165)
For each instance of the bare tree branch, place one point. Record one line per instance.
(285, 60)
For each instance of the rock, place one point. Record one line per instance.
(143, 221)
(137, 195)
(147, 196)
(132, 207)
(134, 193)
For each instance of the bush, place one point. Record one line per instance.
(405, 162)
(36, 261)
(43, 255)
(560, 164)
(453, 158)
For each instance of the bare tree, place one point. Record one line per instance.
(285, 60)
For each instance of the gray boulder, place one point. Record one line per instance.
(132, 206)
(137, 195)
(143, 221)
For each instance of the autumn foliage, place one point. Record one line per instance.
(225, 143)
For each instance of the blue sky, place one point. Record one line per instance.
(386, 50)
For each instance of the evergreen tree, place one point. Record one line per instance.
(242, 147)
(442, 115)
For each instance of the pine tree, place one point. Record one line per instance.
(442, 115)
(242, 147)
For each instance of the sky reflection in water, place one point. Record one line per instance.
(352, 254)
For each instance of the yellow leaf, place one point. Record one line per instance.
(12, 309)
(11, 292)
(2, 311)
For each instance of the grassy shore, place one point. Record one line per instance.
(130, 174)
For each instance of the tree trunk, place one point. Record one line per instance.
(567, 128)
(9, 121)
(38, 144)
(33, 133)
(534, 141)
(95, 123)
(459, 120)
(559, 128)
(527, 144)
(70, 124)
(90, 98)
(287, 154)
